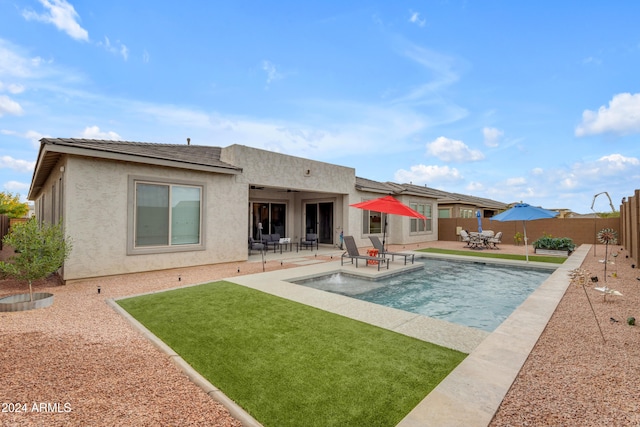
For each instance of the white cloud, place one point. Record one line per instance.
(537, 171)
(622, 117)
(592, 60)
(423, 174)
(475, 186)
(124, 51)
(16, 187)
(11, 88)
(617, 163)
(118, 49)
(451, 150)
(9, 106)
(415, 19)
(31, 135)
(517, 181)
(272, 72)
(492, 136)
(146, 57)
(16, 67)
(94, 132)
(62, 15)
(8, 162)
(440, 66)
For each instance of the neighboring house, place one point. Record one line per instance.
(133, 207)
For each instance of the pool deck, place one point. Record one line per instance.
(471, 394)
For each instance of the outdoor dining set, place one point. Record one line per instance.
(486, 239)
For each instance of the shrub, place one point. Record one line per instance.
(40, 251)
(554, 243)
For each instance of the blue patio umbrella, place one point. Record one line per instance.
(479, 221)
(524, 212)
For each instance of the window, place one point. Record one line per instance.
(444, 213)
(420, 225)
(466, 213)
(372, 222)
(166, 216)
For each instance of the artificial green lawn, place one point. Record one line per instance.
(289, 364)
(536, 258)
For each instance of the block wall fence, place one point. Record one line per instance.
(580, 230)
(629, 225)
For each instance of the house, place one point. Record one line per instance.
(133, 207)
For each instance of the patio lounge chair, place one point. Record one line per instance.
(353, 253)
(382, 252)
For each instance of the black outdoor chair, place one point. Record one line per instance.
(254, 245)
(309, 241)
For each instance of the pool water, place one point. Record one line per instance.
(472, 294)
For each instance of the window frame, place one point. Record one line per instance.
(415, 223)
(367, 220)
(132, 249)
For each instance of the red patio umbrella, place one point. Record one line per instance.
(388, 205)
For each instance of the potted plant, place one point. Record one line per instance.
(40, 250)
(549, 245)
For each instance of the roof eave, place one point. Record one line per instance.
(47, 150)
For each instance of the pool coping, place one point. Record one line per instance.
(471, 394)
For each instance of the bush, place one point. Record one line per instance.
(555, 243)
(40, 251)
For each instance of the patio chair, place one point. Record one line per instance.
(310, 240)
(465, 238)
(382, 252)
(353, 253)
(495, 240)
(254, 245)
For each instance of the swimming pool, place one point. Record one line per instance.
(472, 294)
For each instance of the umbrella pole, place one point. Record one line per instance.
(384, 233)
(526, 244)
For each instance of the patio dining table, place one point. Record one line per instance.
(478, 240)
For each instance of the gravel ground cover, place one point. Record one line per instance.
(79, 363)
(576, 375)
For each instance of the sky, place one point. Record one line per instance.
(509, 100)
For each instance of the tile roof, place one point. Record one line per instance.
(206, 157)
(196, 157)
(443, 197)
(202, 155)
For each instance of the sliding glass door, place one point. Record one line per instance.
(271, 216)
(319, 220)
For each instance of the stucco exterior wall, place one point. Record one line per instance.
(279, 170)
(97, 222)
(310, 180)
